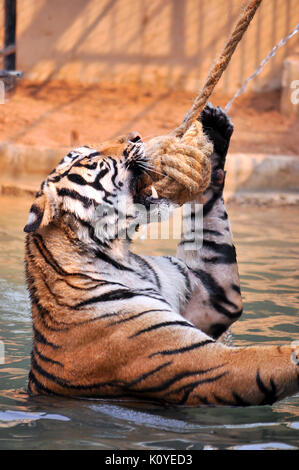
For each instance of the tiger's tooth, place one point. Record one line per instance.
(154, 193)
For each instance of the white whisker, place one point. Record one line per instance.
(150, 168)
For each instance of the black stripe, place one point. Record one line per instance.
(223, 401)
(45, 358)
(35, 209)
(42, 311)
(86, 201)
(52, 261)
(147, 374)
(122, 386)
(224, 216)
(40, 387)
(202, 399)
(93, 154)
(71, 154)
(91, 166)
(144, 264)
(193, 346)
(113, 177)
(44, 390)
(215, 233)
(58, 302)
(41, 339)
(183, 271)
(270, 394)
(77, 179)
(123, 320)
(101, 174)
(176, 378)
(208, 206)
(99, 283)
(236, 288)
(226, 252)
(216, 293)
(226, 312)
(162, 325)
(195, 244)
(67, 326)
(34, 225)
(49, 259)
(66, 383)
(240, 401)
(191, 386)
(120, 294)
(151, 292)
(57, 178)
(105, 257)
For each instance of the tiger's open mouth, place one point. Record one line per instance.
(146, 194)
(143, 175)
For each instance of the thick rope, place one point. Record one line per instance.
(184, 165)
(219, 67)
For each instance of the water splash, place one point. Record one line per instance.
(260, 67)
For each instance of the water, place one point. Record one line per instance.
(267, 246)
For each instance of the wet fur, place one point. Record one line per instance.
(110, 323)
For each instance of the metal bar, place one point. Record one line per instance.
(11, 73)
(10, 33)
(7, 50)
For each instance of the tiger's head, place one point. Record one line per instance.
(96, 188)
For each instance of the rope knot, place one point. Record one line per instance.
(182, 165)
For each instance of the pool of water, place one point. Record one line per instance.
(267, 243)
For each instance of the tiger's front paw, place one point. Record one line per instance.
(219, 128)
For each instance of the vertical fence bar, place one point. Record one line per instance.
(10, 32)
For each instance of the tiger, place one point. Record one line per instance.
(113, 324)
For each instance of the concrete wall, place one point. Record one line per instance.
(169, 42)
(255, 180)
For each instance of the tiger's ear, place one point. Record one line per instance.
(44, 208)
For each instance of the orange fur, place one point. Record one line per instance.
(110, 324)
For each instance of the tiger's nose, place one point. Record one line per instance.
(134, 136)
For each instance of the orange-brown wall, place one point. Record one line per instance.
(164, 42)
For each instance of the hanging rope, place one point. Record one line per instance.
(181, 178)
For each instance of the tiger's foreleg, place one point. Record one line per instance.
(216, 298)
